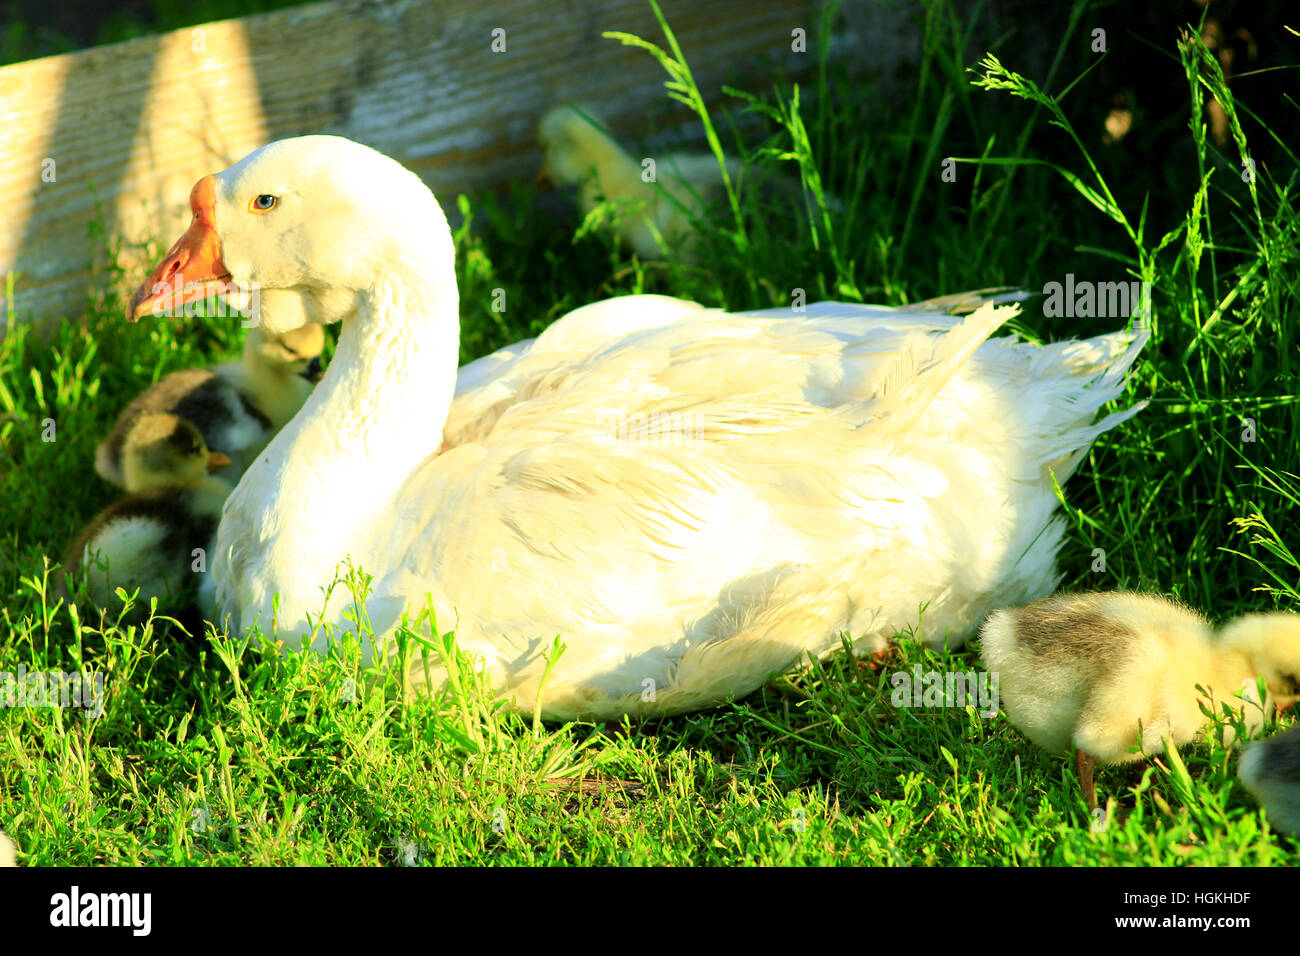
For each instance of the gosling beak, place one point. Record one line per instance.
(192, 270)
(217, 460)
(544, 180)
(313, 371)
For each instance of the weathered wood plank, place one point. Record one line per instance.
(139, 122)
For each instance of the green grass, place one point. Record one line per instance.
(211, 751)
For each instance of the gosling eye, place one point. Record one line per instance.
(263, 203)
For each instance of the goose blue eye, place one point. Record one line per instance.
(263, 203)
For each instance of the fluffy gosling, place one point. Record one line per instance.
(238, 407)
(579, 151)
(1101, 673)
(146, 539)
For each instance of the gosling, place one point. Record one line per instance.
(1270, 770)
(150, 538)
(579, 151)
(238, 407)
(1111, 674)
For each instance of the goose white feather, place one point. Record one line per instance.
(691, 499)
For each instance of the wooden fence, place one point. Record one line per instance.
(454, 89)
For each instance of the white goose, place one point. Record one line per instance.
(691, 499)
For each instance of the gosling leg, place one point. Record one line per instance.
(1083, 763)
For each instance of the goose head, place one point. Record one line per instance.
(297, 232)
(163, 450)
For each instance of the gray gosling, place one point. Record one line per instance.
(147, 539)
(238, 407)
(1270, 770)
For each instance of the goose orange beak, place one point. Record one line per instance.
(217, 460)
(192, 270)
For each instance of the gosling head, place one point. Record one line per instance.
(163, 450)
(1271, 643)
(296, 352)
(572, 138)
